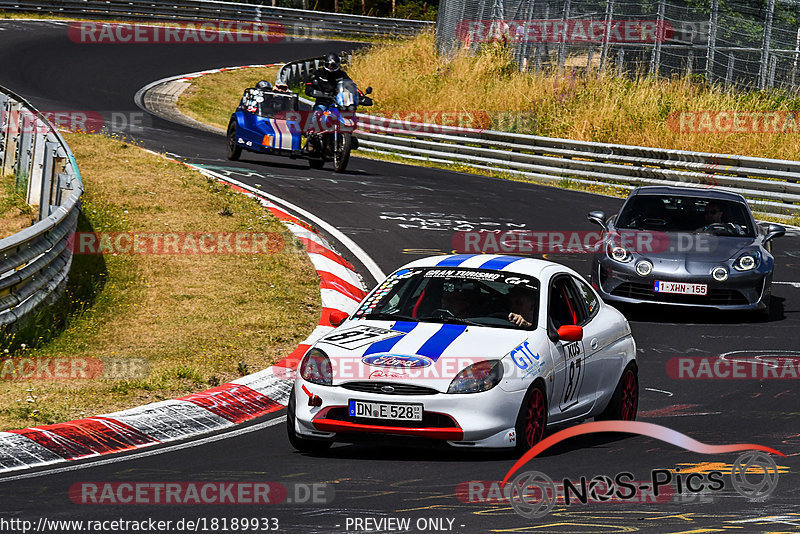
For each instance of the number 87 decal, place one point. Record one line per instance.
(573, 371)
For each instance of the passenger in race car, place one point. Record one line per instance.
(322, 84)
(522, 305)
(456, 298)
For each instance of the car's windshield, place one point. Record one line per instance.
(346, 93)
(686, 214)
(267, 103)
(462, 296)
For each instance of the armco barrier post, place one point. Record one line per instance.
(11, 131)
(50, 150)
(23, 168)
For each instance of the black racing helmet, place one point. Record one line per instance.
(332, 62)
(264, 85)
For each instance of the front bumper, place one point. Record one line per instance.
(484, 419)
(744, 291)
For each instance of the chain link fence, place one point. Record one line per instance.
(751, 44)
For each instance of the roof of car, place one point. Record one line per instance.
(695, 192)
(498, 262)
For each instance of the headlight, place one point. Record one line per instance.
(481, 376)
(746, 262)
(644, 267)
(619, 254)
(316, 368)
(720, 274)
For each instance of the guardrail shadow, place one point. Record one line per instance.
(88, 277)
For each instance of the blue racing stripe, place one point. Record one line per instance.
(455, 261)
(438, 342)
(499, 263)
(386, 345)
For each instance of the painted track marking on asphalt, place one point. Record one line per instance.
(668, 393)
(150, 452)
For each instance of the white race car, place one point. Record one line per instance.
(474, 350)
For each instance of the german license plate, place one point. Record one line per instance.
(681, 288)
(383, 410)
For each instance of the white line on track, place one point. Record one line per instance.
(357, 251)
(145, 453)
(668, 393)
(793, 284)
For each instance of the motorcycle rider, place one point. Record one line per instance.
(322, 84)
(322, 87)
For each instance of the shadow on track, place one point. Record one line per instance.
(393, 450)
(653, 313)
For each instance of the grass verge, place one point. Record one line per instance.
(15, 213)
(178, 323)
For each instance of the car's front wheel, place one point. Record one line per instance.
(532, 418)
(302, 444)
(234, 150)
(625, 401)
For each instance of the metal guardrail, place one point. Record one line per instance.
(294, 21)
(35, 262)
(770, 185)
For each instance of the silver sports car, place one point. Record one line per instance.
(685, 246)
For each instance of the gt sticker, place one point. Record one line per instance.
(524, 358)
(396, 360)
(352, 338)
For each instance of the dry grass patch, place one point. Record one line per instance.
(212, 98)
(196, 320)
(15, 213)
(410, 76)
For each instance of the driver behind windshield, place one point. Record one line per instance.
(456, 298)
(521, 303)
(712, 213)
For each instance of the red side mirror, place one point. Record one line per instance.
(338, 317)
(570, 332)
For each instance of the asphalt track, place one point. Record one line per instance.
(397, 213)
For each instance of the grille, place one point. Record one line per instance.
(399, 389)
(715, 297)
(429, 420)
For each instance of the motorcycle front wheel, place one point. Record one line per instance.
(341, 152)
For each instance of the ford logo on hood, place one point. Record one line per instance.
(394, 360)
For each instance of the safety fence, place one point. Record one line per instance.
(749, 43)
(35, 262)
